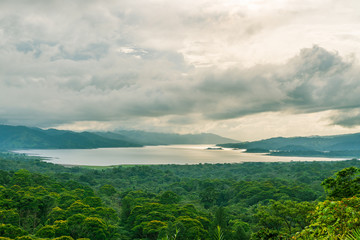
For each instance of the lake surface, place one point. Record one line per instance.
(171, 154)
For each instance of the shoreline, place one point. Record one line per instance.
(159, 155)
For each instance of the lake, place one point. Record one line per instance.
(170, 154)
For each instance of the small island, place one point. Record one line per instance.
(214, 148)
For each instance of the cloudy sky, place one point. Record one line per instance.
(245, 69)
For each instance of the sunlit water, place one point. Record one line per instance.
(171, 154)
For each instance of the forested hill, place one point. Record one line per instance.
(321, 143)
(154, 138)
(347, 144)
(21, 137)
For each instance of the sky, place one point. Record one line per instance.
(244, 69)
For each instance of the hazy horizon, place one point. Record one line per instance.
(246, 69)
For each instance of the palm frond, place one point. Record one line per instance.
(218, 235)
(354, 235)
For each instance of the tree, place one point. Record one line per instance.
(94, 228)
(190, 228)
(11, 231)
(346, 183)
(46, 231)
(283, 217)
(22, 178)
(4, 177)
(169, 197)
(93, 201)
(240, 230)
(56, 214)
(333, 219)
(218, 234)
(126, 205)
(78, 207)
(209, 196)
(75, 225)
(9, 217)
(221, 218)
(153, 228)
(46, 204)
(107, 190)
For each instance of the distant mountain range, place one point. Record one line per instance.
(153, 138)
(21, 137)
(336, 145)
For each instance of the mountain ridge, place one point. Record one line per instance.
(22, 137)
(156, 138)
(343, 144)
(317, 142)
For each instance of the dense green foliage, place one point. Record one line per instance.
(339, 216)
(31, 203)
(205, 201)
(345, 184)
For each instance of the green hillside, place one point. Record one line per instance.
(20, 137)
(337, 145)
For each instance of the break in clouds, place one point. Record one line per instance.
(134, 61)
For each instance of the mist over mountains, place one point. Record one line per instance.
(21, 137)
(336, 145)
(154, 138)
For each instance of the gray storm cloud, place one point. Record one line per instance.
(315, 80)
(120, 61)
